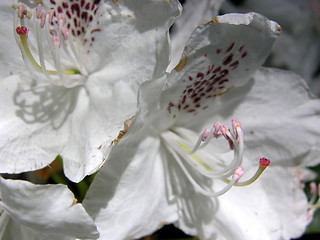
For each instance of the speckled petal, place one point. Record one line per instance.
(220, 55)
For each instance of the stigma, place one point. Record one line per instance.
(201, 164)
(49, 53)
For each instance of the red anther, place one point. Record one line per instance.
(264, 162)
(22, 31)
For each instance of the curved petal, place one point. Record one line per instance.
(221, 54)
(298, 46)
(128, 197)
(49, 210)
(32, 129)
(194, 12)
(279, 116)
(263, 210)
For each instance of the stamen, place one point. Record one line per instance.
(206, 166)
(22, 11)
(54, 33)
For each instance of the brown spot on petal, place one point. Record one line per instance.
(181, 64)
(124, 131)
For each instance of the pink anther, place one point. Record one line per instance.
(22, 11)
(217, 126)
(64, 32)
(238, 173)
(39, 11)
(53, 32)
(56, 41)
(236, 126)
(205, 134)
(42, 19)
(61, 19)
(313, 188)
(50, 15)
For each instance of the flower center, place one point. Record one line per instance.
(198, 163)
(45, 35)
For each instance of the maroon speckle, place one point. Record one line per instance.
(65, 5)
(82, 3)
(87, 6)
(191, 110)
(197, 99)
(241, 48)
(218, 69)
(59, 9)
(75, 21)
(184, 99)
(53, 2)
(244, 54)
(209, 89)
(84, 15)
(170, 105)
(218, 51)
(75, 8)
(69, 16)
(234, 65)
(190, 78)
(230, 47)
(227, 60)
(223, 81)
(90, 18)
(206, 55)
(78, 32)
(96, 30)
(200, 75)
(224, 72)
(186, 106)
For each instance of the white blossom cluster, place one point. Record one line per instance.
(183, 127)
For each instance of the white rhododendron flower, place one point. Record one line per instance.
(41, 212)
(163, 171)
(83, 64)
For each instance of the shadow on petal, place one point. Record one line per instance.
(45, 103)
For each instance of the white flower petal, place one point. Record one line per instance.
(47, 209)
(26, 147)
(194, 13)
(128, 197)
(298, 47)
(263, 210)
(219, 55)
(279, 116)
